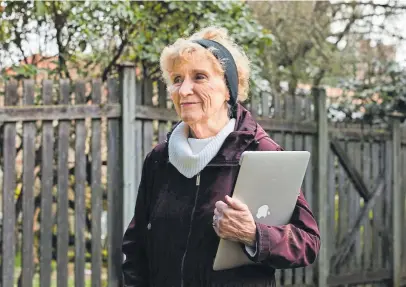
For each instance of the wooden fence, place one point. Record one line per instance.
(82, 146)
(63, 183)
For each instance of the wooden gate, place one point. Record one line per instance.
(367, 202)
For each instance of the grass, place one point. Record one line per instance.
(71, 274)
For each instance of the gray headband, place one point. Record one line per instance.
(230, 68)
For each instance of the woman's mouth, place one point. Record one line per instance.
(188, 104)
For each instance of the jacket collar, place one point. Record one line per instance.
(239, 140)
(246, 132)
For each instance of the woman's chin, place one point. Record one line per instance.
(190, 117)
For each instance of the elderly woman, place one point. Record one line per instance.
(184, 204)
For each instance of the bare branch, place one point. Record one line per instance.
(374, 5)
(19, 46)
(117, 55)
(59, 21)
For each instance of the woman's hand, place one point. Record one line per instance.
(233, 221)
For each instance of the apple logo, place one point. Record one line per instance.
(263, 211)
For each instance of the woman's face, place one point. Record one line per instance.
(198, 90)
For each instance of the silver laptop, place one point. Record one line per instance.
(269, 183)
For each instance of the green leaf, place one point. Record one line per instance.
(82, 45)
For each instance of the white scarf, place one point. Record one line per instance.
(190, 155)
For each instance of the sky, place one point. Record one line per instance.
(401, 49)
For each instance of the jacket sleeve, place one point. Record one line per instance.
(135, 265)
(293, 245)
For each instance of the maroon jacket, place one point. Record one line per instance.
(170, 240)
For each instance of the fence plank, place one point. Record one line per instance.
(342, 207)
(397, 204)
(321, 181)
(289, 107)
(377, 211)
(356, 206)
(162, 95)
(288, 145)
(265, 104)
(404, 200)
(288, 273)
(138, 153)
(80, 182)
(29, 131)
(298, 106)
(277, 106)
(63, 186)
(367, 166)
(308, 109)
(308, 190)
(148, 130)
(148, 136)
(162, 132)
(147, 92)
(97, 191)
(130, 94)
(162, 98)
(114, 198)
(331, 172)
(298, 146)
(254, 100)
(279, 139)
(9, 187)
(387, 211)
(308, 180)
(298, 273)
(46, 191)
(352, 197)
(59, 112)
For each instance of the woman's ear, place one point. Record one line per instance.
(228, 97)
(170, 91)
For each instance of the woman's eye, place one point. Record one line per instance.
(200, 77)
(177, 79)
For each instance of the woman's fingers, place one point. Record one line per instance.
(235, 203)
(221, 206)
(232, 220)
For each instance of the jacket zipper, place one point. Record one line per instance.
(223, 164)
(190, 229)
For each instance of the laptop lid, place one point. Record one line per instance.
(269, 183)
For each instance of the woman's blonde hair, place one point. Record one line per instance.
(182, 49)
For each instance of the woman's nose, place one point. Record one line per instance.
(186, 88)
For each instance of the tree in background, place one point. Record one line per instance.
(317, 42)
(379, 88)
(92, 37)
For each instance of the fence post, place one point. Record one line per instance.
(128, 105)
(397, 202)
(321, 160)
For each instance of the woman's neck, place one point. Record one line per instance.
(208, 129)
